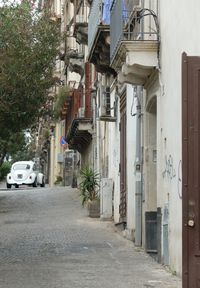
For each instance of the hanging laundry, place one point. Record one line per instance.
(106, 12)
(124, 11)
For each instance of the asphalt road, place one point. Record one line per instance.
(47, 240)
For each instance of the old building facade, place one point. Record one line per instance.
(125, 65)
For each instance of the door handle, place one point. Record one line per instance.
(191, 222)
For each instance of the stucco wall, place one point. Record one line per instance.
(179, 24)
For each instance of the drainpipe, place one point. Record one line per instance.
(138, 172)
(94, 132)
(138, 160)
(52, 162)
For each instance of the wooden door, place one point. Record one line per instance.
(123, 194)
(191, 170)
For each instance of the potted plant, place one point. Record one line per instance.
(89, 191)
(59, 180)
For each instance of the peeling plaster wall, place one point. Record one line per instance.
(179, 28)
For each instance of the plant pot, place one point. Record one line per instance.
(94, 208)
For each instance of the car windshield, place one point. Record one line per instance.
(22, 166)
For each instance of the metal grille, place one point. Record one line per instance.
(151, 231)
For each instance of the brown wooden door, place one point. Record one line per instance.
(122, 207)
(191, 170)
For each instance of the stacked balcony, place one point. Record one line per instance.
(79, 116)
(99, 38)
(81, 25)
(134, 40)
(74, 61)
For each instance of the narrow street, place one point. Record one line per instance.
(47, 240)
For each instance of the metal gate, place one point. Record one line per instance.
(191, 170)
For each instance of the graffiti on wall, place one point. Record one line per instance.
(169, 171)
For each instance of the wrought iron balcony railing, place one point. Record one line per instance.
(137, 24)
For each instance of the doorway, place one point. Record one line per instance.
(191, 170)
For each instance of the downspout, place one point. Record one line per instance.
(138, 160)
(94, 134)
(52, 159)
(138, 170)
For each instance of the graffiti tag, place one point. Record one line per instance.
(169, 171)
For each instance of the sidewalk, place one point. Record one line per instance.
(160, 276)
(146, 271)
(136, 267)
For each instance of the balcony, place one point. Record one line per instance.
(134, 40)
(74, 60)
(79, 135)
(62, 102)
(78, 123)
(81, 26)
(99, 37)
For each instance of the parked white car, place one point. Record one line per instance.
(25, 173)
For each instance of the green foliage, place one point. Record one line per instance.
(25, 154)
(89, 185)
(59, 180)
(16, 146)
(61, 98)
(46, 134)
(4, 169)
(29, 43)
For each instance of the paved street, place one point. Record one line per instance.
(47, 240)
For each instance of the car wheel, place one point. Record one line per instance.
(16, 186)
(43, 183)
(8, 185)
(35, 183)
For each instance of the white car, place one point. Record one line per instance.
(24, 173)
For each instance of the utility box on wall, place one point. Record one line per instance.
(69, 172)
(60, 157)
(106, 190)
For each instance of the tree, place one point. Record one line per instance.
(29, 43)
(17, 146)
